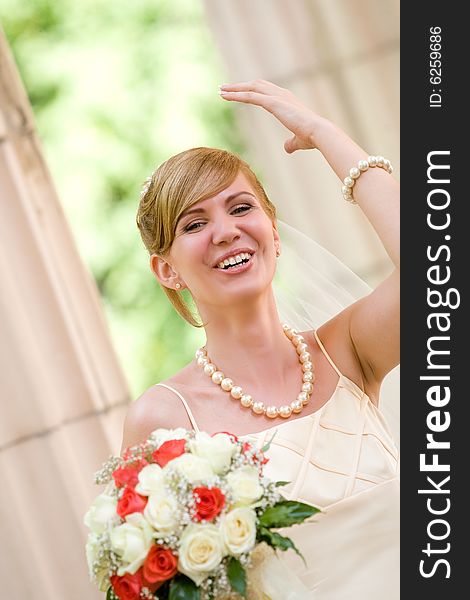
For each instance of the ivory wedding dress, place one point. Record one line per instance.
(342, 459)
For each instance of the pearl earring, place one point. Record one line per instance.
(177, 286)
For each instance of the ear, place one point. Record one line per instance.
(165, 273)
(276, 238)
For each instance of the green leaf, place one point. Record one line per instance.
(278, 541)
(110, 595)
(281, 483)
(266, 447)
(183, 588)
(237, 576)
(285, 513)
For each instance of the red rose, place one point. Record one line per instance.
(128, 586)
(246, 447)
(168, 451)
(231, 435)
(161, 564)
(129, 475)
(130, 502)
(209, 503)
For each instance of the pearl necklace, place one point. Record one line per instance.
(246, 400)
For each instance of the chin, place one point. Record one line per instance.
(241, 292)
(237, 288)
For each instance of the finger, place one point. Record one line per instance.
(289, 145)
(246, 97)
(255, 85)
(294, 143)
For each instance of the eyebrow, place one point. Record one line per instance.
(199, 210)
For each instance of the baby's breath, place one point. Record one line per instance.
(106, 559)
(104, 475)
(217, 584)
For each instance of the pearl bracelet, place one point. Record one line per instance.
(355, 172)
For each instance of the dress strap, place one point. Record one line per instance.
(322, 348)
(185, 404)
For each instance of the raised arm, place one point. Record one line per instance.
(372, 323)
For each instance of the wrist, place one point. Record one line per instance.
(321, 129)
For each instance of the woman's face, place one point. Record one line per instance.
(224, 226)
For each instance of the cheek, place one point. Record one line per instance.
(191, 264)
(188, 254)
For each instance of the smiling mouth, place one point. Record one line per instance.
(235, 262)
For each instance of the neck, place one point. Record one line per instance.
(248, 344)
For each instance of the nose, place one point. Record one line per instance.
(225, 230)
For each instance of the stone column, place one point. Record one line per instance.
(63, 393)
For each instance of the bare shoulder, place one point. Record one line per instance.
(157, 407)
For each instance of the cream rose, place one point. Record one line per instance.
(217, 449)
(132, 541)
(102, 510)
(162, 513)
(150, 480)
(163, 435)
(194, 468)
(200, 551)
(245, 485)
(238, 530)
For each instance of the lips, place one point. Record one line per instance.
(232, 253)
(233, 261)
(238, 268)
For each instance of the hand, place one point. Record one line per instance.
(282, 104)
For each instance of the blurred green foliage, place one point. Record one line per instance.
(116, 88)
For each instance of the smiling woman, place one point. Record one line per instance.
(199, 247)
(211, 230)
(201, 181)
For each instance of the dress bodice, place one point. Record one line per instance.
(338, 451)
(342, 458)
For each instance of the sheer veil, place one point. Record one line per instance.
(312, 285)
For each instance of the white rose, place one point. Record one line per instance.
(163, 435)
(238, 530)
(200, 551)
(132, 541)
(150, 480)
(192, 467)
(162, 513)
(245, 485)
(217, 449)
(92, 549)
(101, 511)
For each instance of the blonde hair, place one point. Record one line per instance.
(181, 181)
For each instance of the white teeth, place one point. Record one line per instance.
(233, 260)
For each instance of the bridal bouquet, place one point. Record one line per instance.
(186, 515)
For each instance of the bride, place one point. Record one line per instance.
(211, 230)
